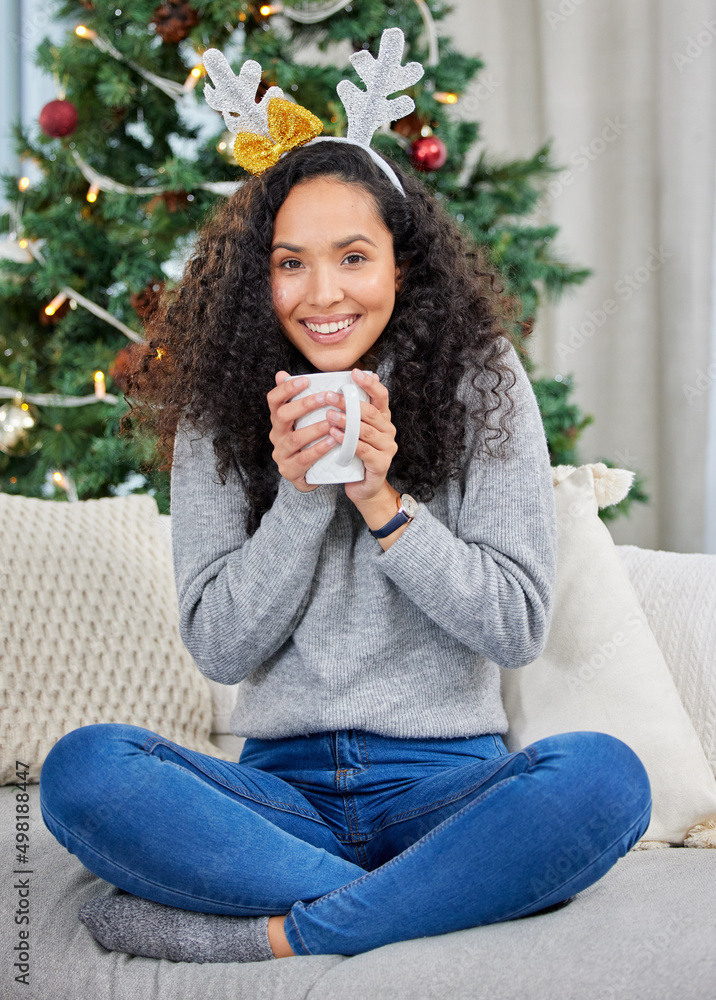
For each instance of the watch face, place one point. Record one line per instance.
(410, 506)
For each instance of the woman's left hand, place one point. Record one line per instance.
(376, 446)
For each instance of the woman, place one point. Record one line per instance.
(374, 800)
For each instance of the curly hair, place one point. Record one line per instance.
(214, 344)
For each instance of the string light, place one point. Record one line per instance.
(100, 389)
(55, 399)
(170, 87)
(24, 183)
(23, 244)
(445, 97)
(52, 308)
(105, 183)
(266, 9)
(193, 78)
(67, 485)
(93, 192)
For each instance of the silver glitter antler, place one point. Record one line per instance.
(369, 109)
(237, 94)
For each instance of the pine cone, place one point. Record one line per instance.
(409, 126)
(172, 199)
(145, 302)
(119, 366)
(174, 21)
(175, 200)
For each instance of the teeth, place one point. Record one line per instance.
(330, 327)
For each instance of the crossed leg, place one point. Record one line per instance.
(197, 833)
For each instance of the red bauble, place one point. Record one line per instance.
(428, 153)
(58, 118)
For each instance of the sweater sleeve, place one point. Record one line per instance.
(239, 598)
(492, 586)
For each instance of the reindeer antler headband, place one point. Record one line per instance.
(267, 130)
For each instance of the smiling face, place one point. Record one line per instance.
(333, 272)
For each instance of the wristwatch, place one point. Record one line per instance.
(407, 509)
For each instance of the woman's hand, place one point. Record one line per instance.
(376, 440)
(292, 462)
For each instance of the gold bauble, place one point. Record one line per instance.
(17, 418)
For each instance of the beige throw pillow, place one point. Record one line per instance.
(677, 591)
(89, 628)
(602, 668)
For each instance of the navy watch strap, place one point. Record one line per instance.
(395, 522)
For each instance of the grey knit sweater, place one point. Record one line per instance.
(325, 630)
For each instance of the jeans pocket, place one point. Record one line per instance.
(488, 746)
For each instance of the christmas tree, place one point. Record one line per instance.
(132, 159)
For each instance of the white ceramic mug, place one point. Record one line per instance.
(340, 464)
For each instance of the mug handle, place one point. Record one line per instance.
(352, 432)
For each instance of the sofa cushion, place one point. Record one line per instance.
(677, 591)
(89, 630)
(646, 930)
(602, 668)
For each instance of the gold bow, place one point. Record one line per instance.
(290, 125)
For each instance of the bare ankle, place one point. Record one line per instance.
(277, 938)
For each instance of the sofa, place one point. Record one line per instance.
(645, 931)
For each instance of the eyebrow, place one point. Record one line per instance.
(338, 245)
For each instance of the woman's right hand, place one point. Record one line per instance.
(292, 462)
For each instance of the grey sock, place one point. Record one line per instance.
(141, 927)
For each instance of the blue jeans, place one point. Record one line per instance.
(361, 839)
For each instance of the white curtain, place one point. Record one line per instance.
(626, 89)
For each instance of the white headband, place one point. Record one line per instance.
(376, 157)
